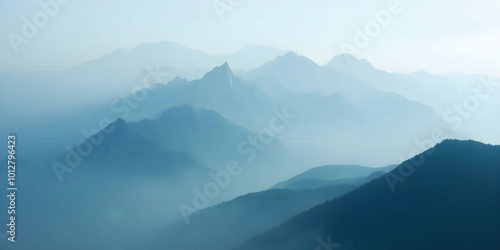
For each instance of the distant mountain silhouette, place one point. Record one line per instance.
(200, 134)
(348, 116)
(145, 169)
(218, 90)
(312, 183)
(107, 77)
(421, 86)
(349, 63)
(450, 201)
(339, 107)
(325, 174)
(163, 52)
(298, 74)
(183, 61)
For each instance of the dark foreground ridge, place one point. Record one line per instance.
(450, 201)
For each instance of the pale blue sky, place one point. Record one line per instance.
(438, 36)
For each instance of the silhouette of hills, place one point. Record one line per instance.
(450, 201)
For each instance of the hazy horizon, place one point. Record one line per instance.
(441, 38)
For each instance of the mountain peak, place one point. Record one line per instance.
(421, 73)
(221, 76)
(347, 61)
(226, 66)
(118, 126)
(188, 110)
(119, 122)
(290, 54)
(223, 69)
(347, 56)
(292, 59)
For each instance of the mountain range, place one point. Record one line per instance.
(353, 112)
(173, 142)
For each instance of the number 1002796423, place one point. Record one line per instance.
(11, 159)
